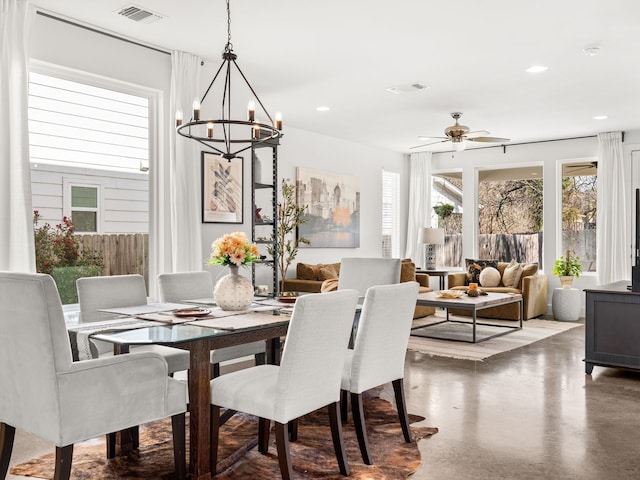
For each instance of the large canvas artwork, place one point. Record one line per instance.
(221, 189)
(333, 208)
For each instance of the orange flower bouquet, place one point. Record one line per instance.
(233, 249)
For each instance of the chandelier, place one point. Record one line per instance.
(224, 135)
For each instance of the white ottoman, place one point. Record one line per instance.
(566, 304)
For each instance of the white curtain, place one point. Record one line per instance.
(176, 231)
(613, 260)
(16, 216)
(419, 204)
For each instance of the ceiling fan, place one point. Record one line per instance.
(458, 135)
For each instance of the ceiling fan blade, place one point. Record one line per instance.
(427, 144)
(489, 139)
(422, 137)
(476, 133)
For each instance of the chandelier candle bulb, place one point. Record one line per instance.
(178, 118)
(279, 120)
(251, 108)
(196, 109)
(256, 131)
(210, 130)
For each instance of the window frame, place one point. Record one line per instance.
(395, 214)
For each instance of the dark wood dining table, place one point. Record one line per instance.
(199, 341)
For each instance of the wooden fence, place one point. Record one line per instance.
(503, 247)
(122, 253)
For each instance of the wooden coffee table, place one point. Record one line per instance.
(472, 304)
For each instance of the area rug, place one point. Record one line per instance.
(533, 330)
(312, 455)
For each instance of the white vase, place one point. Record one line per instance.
(257, 168)
(233, 291)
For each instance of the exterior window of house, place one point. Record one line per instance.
(446, 202)
(390, 214)
(579, 215)
(510, 214)
(84, 208)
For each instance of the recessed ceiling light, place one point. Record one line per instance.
(591, 51)
(323, 109)
(536, 69)
(600, 117)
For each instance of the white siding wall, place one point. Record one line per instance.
(123, 198)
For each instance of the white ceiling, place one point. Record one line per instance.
(473, 54)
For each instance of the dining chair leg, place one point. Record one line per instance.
(344, 405)
(215, 437)
(215, 370)
(260, 358)
(361, 429)
(111, 445)
(401, 405)
(264, 427)
(282, 444)
(336, 436)
(178, 425)
(64, 456)
(7, 434)
(293, 430)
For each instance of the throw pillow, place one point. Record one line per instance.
(517, 277)
(528, 269)
(474, 267)
(510, 271)
(326, 272)
(304, 271)
(489, 277)
(407, 271)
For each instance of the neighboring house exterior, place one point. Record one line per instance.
(97, 200)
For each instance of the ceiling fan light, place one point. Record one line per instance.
(459, 145)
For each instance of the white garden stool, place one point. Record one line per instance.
(566, 304)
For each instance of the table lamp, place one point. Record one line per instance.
(430, 237)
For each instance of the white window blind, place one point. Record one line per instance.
(390, 214)
(76, 124)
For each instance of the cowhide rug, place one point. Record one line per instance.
(312, 454)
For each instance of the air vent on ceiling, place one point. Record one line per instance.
(139, 15)
(408, 88)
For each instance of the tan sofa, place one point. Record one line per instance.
(532, 286)
(324, 278)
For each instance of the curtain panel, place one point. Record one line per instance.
(612, 238)
(419, 203)
(17, 251)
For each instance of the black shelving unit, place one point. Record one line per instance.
(264, 195)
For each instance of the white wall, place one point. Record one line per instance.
(550, 155)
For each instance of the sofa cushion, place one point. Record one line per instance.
(327, 272)
(528, 269)
(474, 267)
(489, 277)
(305, 271)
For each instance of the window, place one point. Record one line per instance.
(579, 199)
(76, 124)
(510, 214)
(446, 202)
(84, 208)
(390, 214)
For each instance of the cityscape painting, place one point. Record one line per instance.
(333, 208)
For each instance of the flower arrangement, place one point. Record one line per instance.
(233, 249)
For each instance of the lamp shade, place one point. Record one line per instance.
(431, 235)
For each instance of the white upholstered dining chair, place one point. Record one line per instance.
(42, 391)
(378, 355)
(360, 273)
(308, 377)
(96, 293)
(177, 287)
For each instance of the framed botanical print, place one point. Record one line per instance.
(222, 189)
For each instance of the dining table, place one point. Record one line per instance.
(199, 336)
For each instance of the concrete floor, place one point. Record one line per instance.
(525, 414)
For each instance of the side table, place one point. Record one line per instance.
(565, 304)
(435, 273)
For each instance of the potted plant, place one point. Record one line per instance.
(58, 254)
(290, 216)
(567, 268)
